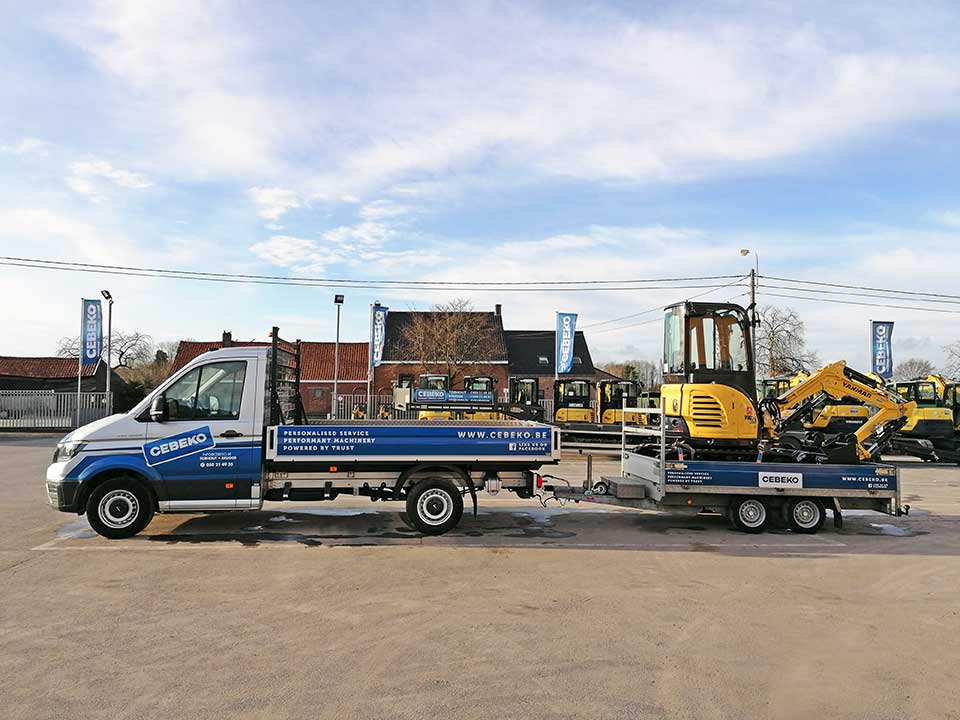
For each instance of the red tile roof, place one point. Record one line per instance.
(187, 350)
(43, 367)
(316, 360)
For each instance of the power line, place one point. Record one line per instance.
(660, 307)
(859, 287)
(336, 282)
(853, 302)
(855, 294)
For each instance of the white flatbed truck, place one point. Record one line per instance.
(227, 432)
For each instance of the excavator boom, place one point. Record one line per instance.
(839, 382)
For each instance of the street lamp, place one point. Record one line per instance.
(338, 301)
(109, 298)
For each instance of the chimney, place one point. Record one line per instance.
(227, 338)
(497, 308)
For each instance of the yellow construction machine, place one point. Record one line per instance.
(611, 395)
(710, 404)
(571, 401)
(434, 381)
(930, 430)
(481, 383)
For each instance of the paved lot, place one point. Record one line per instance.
(341, 610)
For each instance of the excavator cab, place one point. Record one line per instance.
(571, 401)
(930, 420)
(611, 395)
(524, 391)
(481, 383)
(432, 381)
(951, 400)
(709, 390)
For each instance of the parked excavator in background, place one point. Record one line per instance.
(433, 381)
(571, 401)
(930, 431)
(710, 404)
(481, 383)
(611, 395)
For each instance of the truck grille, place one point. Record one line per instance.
(705, 411)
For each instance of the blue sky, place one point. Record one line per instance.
(476, 141)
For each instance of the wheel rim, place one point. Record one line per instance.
(118, 508)
(806, 514)
(752, 513)
(435, 506)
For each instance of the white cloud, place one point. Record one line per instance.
(274, 201)
(948, 218)
(87, 177)
(26, 146)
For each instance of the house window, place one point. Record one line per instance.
(543, 360)
(577, 360)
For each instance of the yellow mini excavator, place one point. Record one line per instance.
(611, 395)
(710, 405)
(930, 430)
(831, 418)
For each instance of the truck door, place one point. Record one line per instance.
(207, 449)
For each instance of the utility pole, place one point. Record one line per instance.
(338, 301)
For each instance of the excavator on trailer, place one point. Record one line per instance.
(710, 405)
(831, 418)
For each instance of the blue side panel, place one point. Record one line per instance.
(295, 441)
(781, 476)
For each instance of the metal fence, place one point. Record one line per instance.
(350, 406)
(49, 410)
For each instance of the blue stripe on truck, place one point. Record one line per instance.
(422, 440)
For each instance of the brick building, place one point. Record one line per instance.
(54, 373)
(397, 367)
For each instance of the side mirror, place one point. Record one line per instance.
(158, 409)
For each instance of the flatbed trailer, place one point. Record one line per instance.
(750, 494)
(227, 432)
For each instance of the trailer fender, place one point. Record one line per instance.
(447, 469)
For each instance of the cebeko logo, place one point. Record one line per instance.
(781, 479)
(178, 446)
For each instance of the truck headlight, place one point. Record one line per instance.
(68, 450)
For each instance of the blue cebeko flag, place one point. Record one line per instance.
(881, 347)
(378, 334)
(566, 331)
(91, 333)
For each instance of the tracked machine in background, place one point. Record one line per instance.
(832, 418)
(930, 432)
(612, 396)
(710, 404)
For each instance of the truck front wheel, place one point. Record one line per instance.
(434, 506)
(119, 508)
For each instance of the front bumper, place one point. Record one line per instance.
(61, 492)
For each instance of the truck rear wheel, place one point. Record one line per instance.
(119, 508)
(804, 515)
(749, 514)
(434, 506)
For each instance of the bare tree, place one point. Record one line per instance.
(952, 368)
(129, 348)
(913, 368)
(644, 371)
(450, 338)
(781, 346)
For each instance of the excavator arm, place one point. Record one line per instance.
(839, 382)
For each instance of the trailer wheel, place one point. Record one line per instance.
(434, 506)
(804, 515)
(119, 508)
(749, 514)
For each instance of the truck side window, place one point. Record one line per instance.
(220, 390)
(182, 395)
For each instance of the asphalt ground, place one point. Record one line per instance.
(342, 610)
